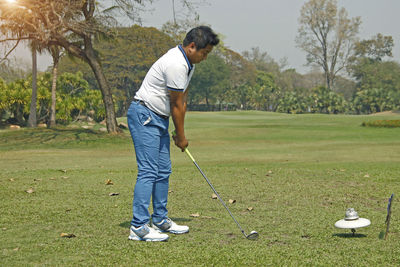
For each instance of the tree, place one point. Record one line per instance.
(327, 36)
(367, 65)
(290, 80)
(242, 75)
(265, 92)
(75, 99)
(346, 87)
(261, 60)
(376, 48)
(125, 61)
(210, 81)
(55, 54)
(72, 25)
(378, 85)
(32, 120)
(378, 80)
(16, 98)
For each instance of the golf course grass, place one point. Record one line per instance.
(291, 176)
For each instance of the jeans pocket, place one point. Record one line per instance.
(144, 117)
(147, 121)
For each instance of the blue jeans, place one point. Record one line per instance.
(152, 147)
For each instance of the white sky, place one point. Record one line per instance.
(272, 24)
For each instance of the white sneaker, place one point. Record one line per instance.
(168, 225)
(146, 233)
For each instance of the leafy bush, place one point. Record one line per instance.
(376, 100)
(292, 102)
(382, 123)
(74, 98)
(326, 101)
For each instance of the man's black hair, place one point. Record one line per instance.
(201, 36)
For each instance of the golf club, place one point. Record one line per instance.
(253, 234)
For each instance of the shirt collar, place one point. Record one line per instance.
(187, 60)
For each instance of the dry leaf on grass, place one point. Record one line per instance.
(30, 191)
(269, 173)
(195, 215)
(366, 176)
(232, 201)
(214, 196)
(64, 177)
(67, 235)
(109, 182)
(170, 191)
(250, 208)
(64, 171)
(11, 180)
(37, 180)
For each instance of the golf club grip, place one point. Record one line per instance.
(190, 155)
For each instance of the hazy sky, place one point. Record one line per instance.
(272, 25)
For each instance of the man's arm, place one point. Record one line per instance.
(185, 99)
(178, 110)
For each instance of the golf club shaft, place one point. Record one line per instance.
(215, 191)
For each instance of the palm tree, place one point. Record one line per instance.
(32, 120)
(55, 52)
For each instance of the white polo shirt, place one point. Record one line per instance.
(172, 71)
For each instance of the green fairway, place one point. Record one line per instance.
(299, 173)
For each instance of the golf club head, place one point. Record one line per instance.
(252, 236)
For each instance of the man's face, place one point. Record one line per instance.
(196, 56)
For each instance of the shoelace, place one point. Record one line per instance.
(169, 221)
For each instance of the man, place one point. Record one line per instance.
(162, 94)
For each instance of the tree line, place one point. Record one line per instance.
(348, 76)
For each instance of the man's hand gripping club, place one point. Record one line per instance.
(182, 143)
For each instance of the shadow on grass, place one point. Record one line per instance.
(127, 224)
(349, 235)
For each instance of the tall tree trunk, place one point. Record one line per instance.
(328, 81)
(52, 122)
(94, 63)
(32, 121)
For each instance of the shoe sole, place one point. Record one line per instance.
(177, 232)
(172, 232)
(135, 238)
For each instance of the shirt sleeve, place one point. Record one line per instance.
(176, 77)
